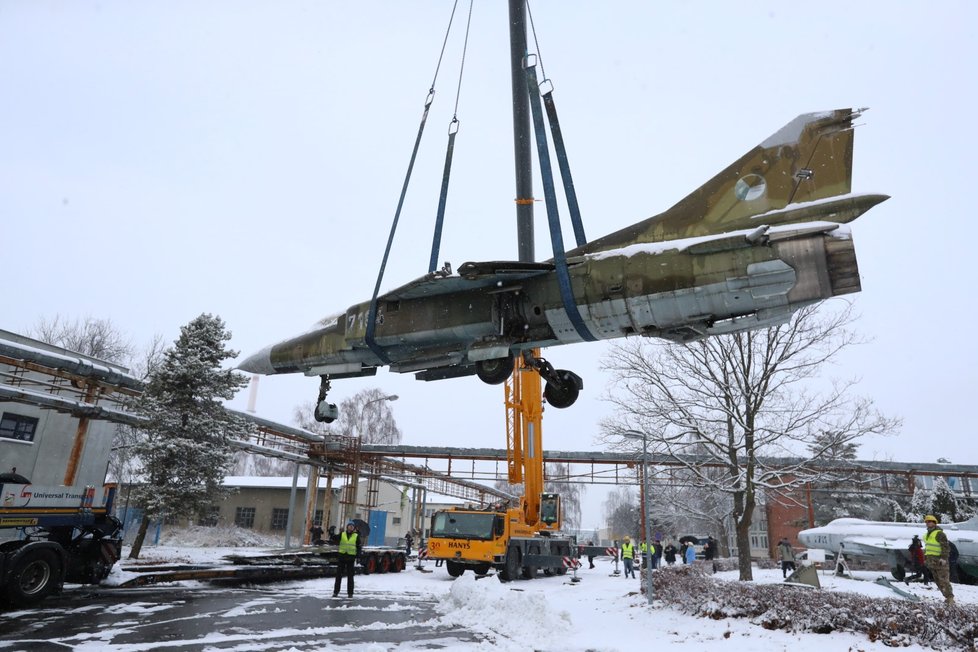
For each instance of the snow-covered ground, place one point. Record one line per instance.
(601, 612)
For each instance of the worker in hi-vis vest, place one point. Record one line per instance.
(628, 556)
(347, 558)
(937, 551)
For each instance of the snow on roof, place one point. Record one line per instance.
(272, 482)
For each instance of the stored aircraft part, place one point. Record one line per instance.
(888, 542)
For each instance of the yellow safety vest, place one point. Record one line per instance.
(932, 547)
(348, 544)
(627, 551)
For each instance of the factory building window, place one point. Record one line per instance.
(17, 427)
(244, 517)
(280, 518)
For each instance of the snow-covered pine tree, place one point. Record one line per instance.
(944, 504)
(920, 505)
(185, 454)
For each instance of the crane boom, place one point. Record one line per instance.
(524, 441)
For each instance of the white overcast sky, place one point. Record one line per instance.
(163, 159)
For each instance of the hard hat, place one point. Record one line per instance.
(930, 517)
(627, 538)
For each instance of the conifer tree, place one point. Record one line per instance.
(944, 504)
(185, 453)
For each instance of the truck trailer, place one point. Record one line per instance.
(59, 411)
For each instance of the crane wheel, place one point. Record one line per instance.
(495, 371)
(529, 572)
(511, 568)
(455, 569)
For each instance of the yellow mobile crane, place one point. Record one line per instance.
(516, 541)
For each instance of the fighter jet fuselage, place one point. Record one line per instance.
(762, 239)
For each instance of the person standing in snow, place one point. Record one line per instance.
(787, 556)
(628, 556)
(710, 549)
(670, 553)
(937, 551)
(408, 540)
(316, 534)
(347, 558)
(690, 555)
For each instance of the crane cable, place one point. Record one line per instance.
(449, 154)
(371, 324)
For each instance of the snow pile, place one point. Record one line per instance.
(782, 607)
(495, 609)
(220, 536)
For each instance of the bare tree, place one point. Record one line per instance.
(367, 414)
(256, 464)
(622, 513)
(98, 338)
(682, 507)
(840, 492)
(746, 404)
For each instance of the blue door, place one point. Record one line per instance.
(378, 528)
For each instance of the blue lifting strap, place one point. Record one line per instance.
(557, 240)
(564, 165)
(372, 314)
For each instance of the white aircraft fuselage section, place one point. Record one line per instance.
(888, 542)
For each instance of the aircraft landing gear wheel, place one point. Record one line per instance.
(385, 563)
(563, 394)
(511, 569)
(898, 572)
(324, 412)
(495, 371)
(33, 577)
(455, 569)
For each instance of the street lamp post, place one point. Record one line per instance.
(634, 434)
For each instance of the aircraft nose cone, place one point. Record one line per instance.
(258, 363)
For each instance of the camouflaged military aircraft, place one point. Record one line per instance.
(761, 239)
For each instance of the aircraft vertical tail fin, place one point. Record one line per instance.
(809, 159)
